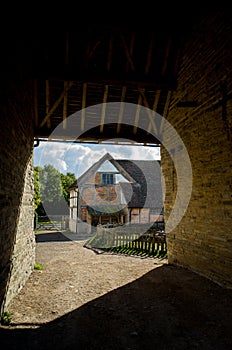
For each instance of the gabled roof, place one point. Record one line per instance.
(144, 188)
(93, 169)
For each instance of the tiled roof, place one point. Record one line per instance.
(147, 189)
(144, 188)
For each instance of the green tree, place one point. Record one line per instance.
(37, 199)
(66, 181)
(38, 205)
(51, 190)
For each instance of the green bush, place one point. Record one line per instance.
(38, 267)
(6, 318)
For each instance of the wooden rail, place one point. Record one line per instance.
(128, 240)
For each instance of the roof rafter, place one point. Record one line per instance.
(48, 102)
(103, 114)
(56, 104)
(128, 52)
(123, 95)
(83, 105)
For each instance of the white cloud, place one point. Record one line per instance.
(143, 152)
(77, 158)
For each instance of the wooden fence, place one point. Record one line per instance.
(51, 222)
(130, 240)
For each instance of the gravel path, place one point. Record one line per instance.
(83, 300)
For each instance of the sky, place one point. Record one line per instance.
(77, 158)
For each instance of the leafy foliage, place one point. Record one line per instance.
(66, 181)
(51, 188)
(38, 266)
(51, 192)
(6, 318)
(37, 199)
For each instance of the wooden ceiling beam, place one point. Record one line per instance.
(110, 53)
(56, 104)
(166, 57)
(123, 96)
(90, 50)
(65, 105)
(167, 104)
(149, 111)
(105, 96)
(165, 112)
(83, 106)
(154, 107)
(140, 100)
(149, 54)
(67, 44)
(128, 51)
(132, 41)
(47, 95)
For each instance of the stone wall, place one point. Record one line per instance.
(200, 111)
(17, 242)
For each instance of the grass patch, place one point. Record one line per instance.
(38, 267)
(6, 318)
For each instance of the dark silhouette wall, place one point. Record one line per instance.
(16, 188)
(200, 111)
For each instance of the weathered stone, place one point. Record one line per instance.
(202, 240)
(16, 189)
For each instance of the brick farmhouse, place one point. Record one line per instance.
(116, 191)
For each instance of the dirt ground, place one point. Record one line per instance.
(86, 301)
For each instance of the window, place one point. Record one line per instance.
(108, 179)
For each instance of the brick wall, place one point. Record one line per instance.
(202, 240)
(17, 243)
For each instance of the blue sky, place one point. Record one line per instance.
(77, 158)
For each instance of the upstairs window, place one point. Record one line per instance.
(107, 179)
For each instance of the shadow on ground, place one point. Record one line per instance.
(51, 236)
(168, 308)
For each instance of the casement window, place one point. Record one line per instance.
(107, 179)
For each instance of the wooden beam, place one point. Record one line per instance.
(56, 104)
(48, 102)
(90, 51)
(149, 54)
(67, 49)
(104, 108)
(156, 100)
(83, 105)
(127, 52)
(167, 104)
(131, 49)
(36, 119)
(165, 112)
(65, 106)
(110, 53)
(154, 108)
(176, 62)
(137, 114)
(148, 110)
(123, 95)
(166, 56)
